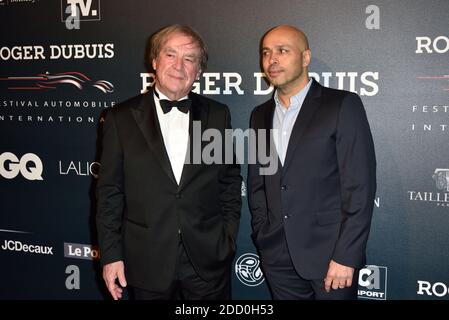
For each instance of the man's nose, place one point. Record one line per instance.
(178, 64)
(273, 59)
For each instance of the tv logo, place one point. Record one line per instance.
(74, 11)
(373, 283)
(10, 166)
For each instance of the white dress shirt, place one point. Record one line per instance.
(175, 131)
(284, 120)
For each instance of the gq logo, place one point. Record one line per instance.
(247, 270)
(373, 283)
(30, 166)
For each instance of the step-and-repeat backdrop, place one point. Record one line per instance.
(60, 71)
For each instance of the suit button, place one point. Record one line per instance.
(283, 187)
(178, 196)
(286, 216)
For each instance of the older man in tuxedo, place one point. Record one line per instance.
(167, 227)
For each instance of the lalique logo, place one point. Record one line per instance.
(79, 168)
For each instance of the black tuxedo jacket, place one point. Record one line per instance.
(321, 200)
(141, 208)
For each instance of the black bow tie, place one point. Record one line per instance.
(182, 105)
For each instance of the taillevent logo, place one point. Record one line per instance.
(440, 199)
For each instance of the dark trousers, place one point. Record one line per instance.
(188, 285)
(286, 284)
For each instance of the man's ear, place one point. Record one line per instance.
(198, 75)
(306, 57)
(154, 64)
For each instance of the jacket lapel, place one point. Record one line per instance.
(305, 115)
(198, 112)
(146, 117)
(268, 125)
